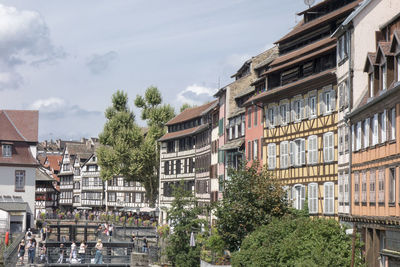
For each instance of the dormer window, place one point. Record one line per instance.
(371, 84)
(384, 76)
(398, 68)
(7, 151)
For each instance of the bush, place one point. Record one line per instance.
(297, 242)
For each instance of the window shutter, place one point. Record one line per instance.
(292, 147)
(309, 150)
(333, 100)
(326, 142)
(276, 112)
(384, 126)
(321, 104)
(281, 155)
(303, 196)
(267, 122)
(353, 138)
(274, 156)
(293, 111)
(366, 133)
(294, 197)
(306, 108)
(313, 198)
(288, 113)
(301, 115)
(303, 151)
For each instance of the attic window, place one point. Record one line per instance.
(7, 151)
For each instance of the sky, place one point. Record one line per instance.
(67, 58)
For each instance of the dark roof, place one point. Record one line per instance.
(383, 49)
(233, 144)
(186, 132)
(245, 64)
(13, 206)
(265, 94)
(395, 40)
(302, 26)
(190, 113)
(21, 155)
(314, 7)
(272, 53)
(245, 92)
(371, 58)
(19, 125)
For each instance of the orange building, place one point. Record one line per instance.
(375, 189)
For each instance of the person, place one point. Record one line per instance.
(98, 259)
(145, 247)
(44, 233)
(72, 254)
(43, 249)
(31, 249)
(98, 231)
(82, 251)
(61, 252)
(133, 239)
(28, 235)
(21, 251)
(110, 230)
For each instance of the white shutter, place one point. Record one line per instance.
(366, 133)
(303, 196)
(325, 148)
(288, 113)
(292, 148)
(274, 156)
(279, 115)
(333, 100)
(383, 126)
(309, 150)
(313, 198)
(281, 155)
(358, 138)
(375, 130)
(321, 104)
(328, 198)
(331, 146)
(276, 112)
(353, 138)
(294, 197)
(306, 108)
(301, 115)
(393, 113)
(293, 111)
(303, 151)
(267, 122)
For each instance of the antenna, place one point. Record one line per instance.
(309, 3)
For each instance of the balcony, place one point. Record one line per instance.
(66, 186)
(44, 189)
(66, 201)
(92, 188)
(121, 204)
(51, 203)
(91, 202)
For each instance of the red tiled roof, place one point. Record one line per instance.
(301, 27)
(190, 113)
(371, 57)
(186, 132)
(21, 155)
(54, 162)
(301, 59)
(259, 97)
(299, 52)
(19, 125)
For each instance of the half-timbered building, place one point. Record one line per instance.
(46, 194)
(300, 134)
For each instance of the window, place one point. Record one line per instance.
(383, 126)
(375, 127)
(261, 149)
(346, 139)
(271, 119)
(7, 150)
(358, 137)
(172, 167)
(356, 188)
(346, 189)
(342, 49)
(255, 115)
(312, 149)
(313, 198)
(284, 155)
(178, 166)
(384, 76)
(366, 133)
(255, 149)
(221, 127)
(138, 197)
(341, 189)
(329, 198)
(243, 125)
(392, 185)
(237, 125)
(364, 187)
(271, 156)
(249, 117)
(327, 102)
(171, 146)
(230, 132)
(398, 68)
(249, 150)
(371, 85)
(393, 124)
(381, 184)
(283, 114)
(298, 196)
(329, 147)
(111, 197)
(297, 110)
(372, 191)
(166, 167)
(343, 94)
(312, 102)
(299, 152)
(19, 181)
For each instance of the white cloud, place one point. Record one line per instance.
(196, 94)
(48, 103)
(99, 63)
(24, 39)
(236, 60)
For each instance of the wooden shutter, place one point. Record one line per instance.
(292, 147)
(313, 198)
(333, 100)
(366, 133)
(288, 113)
(306, 108)
(294, 197)
(384, 126)
(276, 116)
(302, 196)
(321, 104)
(302, 152)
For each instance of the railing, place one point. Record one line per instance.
(92, 187)
(10, 253)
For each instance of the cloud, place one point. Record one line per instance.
(24, 39)
(236, 60)
(196, 95)
(98, 64)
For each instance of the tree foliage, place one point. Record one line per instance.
(251, 199)
(118, 154)
(301, 241)
(183, 218)
(156, 115)
(185, 106)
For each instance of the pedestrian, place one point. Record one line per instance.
(145, 248)
(28, 235)
(44, 233)
(21, 251)
(82, 251)
(133, 239)
(61, 252)
(110, 231)
(98, 259)
(42, 253)
(72, 254)
(31, 249)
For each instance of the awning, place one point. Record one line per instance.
(235, 144)
(147, 209)
(13, 206)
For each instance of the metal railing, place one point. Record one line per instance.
(10, 253)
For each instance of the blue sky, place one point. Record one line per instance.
(66, 58)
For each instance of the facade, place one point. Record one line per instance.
(376, 149)
(46, 194)
(353, 44)
(18, 140)
(185, 155)
(300, 134)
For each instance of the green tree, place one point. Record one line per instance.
(300, 241)
(185, 106)
(184, 219)
(118, 154)
(156, 115)
(251, 199)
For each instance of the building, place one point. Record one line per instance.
(185, 155)
(353, 42)
(46, 194)
(375, 193)
(300, 127)
(18, 140)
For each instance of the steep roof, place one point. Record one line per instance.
(19, 125)
(21, 155)
(54, 161)
(41, 175)
(190, 113)
(183, 133)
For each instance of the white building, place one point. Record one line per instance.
(18, 140)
